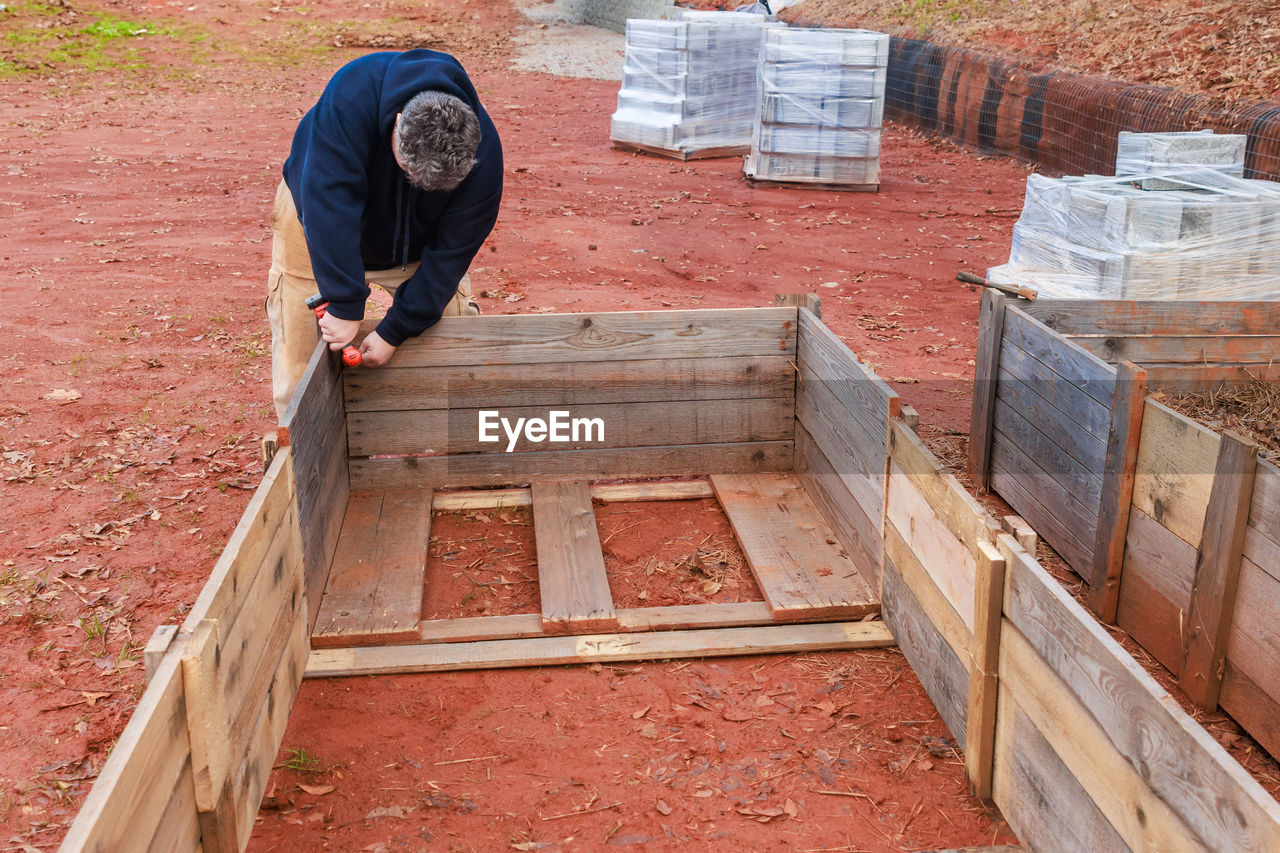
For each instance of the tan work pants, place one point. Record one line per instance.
(294, 332)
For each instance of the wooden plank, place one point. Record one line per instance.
(1174, 472)
(857, 456)
(1017, 527)
(945, 558)
(1217, 572)
(1064, 357)
(208, 725)
(376, 580)
(1155, 317)
(934, 660)
(1045, 804)
(1192, 349)
(1117, 489)
(1166, 566)
(161, 638)
(933, 605)
(1253, 645)
(1051, 391)
(857, 532)
(1151, 620)
(986, 373)
(1252, 707)
(617, 336)
(825, 359)
(1264, 514)
(1053, 460)
(980, 723)
(1207, 378)
(598, 648)
(603, 492)
(1177, 758)
(795, 558)
(179, 828)
(1061, 428)
(610, 463)
(1142, 820)
(811, 301)
(571, 576)
(1061, 520)
(1263, 551)
(133, 789)
(582, 427)
(910, 417)
(962, 515)
(569, 383)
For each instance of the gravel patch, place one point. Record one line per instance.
(554, 43)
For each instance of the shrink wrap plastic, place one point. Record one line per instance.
(1143, 153)
(1209, 236)
(821, 105)
(690, 85)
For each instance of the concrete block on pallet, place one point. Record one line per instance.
(833, 111)
(829, 47)
(821, 141)
(1151, 153)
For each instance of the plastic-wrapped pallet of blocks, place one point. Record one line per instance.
(1143, 153)
(1209, 236)
(689, 86)
(821, 107)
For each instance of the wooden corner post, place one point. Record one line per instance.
(986, 371)
(1213, 591)
(799, 300)
(1128, 401)
(980, 727)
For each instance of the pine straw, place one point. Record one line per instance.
(1251, 409)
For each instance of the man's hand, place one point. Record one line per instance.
(336, 332)
(375, 351)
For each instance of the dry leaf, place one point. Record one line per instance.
(62, 396)
(762, 814)
(737, 715)
(638, 714)
(790, 807)
(91, 699)
(662, 807)
(317, 790)
(531, 845)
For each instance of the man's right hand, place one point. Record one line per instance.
(336, 332)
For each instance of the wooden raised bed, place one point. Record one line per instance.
(804, 448)
(1173, 526)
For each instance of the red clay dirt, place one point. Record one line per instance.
(137, 385)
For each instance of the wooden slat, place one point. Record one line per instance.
(603, 492)
(1053, 460)
(1060, 427)
(856, 455)
(945, 558)
(1264, 514)
(1053, 390)
(1116, 788)
(457, 501)
(376, 581)
(1065, 358)
(133, 789)
(1253, 645)
(208, 723)
(1179, 760)
(933, 605)
(598, 648)
(794, 556)
(571, 576)
(1160, 558)
(1217, 573)
(1155, 317)
(620, 336)
(179, 828)
(1151, 620)
(615, 425)
(1262, 550)
(980, 721)
(1060, 519)
(569, 383)
(503, 469)
(1252, 707)
(161, 638)
(810, 301)
(1174, 472)
(857, 532)
(986, 373)
(1193, 349)
(941, 670)
(825, 359)
(1205, 378)
(1045, 804)
(1117, 489)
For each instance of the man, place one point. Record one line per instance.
(394, 179)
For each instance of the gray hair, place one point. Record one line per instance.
(437, 140)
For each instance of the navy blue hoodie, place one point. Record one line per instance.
(359, 210)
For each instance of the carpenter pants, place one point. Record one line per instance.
(294, 332)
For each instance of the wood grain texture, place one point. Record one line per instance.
(457, 431)
(1174, 471)
(376, 580)
(1159, 568)
(604, 492)
(601, 648)
(983, 673)
(825, 359)
(505, 469)
(1263, 551)
(1155, 317)
(1061, 427)
(179, 827)
(1217, 573)
(1252, 707)
(1049, 457)
(855, 530)
(1151, 620)
(931, 602)
(571, 576)
(1204, 378)
(1183, 765)
(569, 383)
(794, 556)
(1116, 496)
(1192, 349)
(1054, 391)
(858, 456)
(986, 374)
(941, 670)
(616, 336)
(811, 301)
(1064, 357)
(1264, 514)
(1253, 644)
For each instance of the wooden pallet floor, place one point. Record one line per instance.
(369, 617)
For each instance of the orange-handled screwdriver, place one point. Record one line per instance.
(350, 355)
